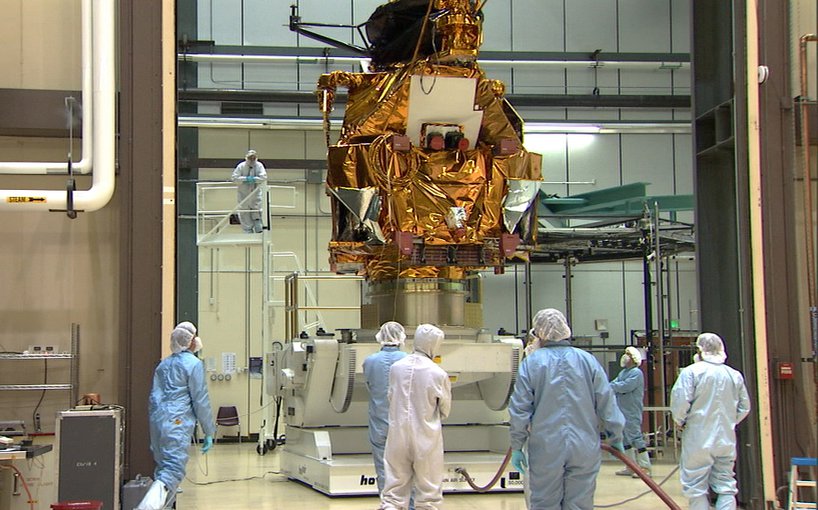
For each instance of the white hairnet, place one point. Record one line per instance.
(428, 339)
(711, 347)
(181, 336)
(250, 153)
(391, 333)
(634, 354)
(550, 324)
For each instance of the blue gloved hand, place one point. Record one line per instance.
(519, 461)
(250, 178)
(618, 446)
(208, 444)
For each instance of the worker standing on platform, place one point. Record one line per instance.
(247, 175)
(629, 387)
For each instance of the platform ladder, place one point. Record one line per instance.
(797, 483)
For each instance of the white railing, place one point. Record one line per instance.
(216, 203)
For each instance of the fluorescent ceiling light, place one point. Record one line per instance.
(250, 123)
(218, 122)
(607, 127)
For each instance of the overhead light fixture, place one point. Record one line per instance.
(605, 128)
(313, 124)
(266, 59)
(250, 123)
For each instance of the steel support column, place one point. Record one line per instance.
(139, 188)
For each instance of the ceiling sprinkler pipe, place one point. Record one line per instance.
(99, 129)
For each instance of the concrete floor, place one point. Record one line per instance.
(259, 488)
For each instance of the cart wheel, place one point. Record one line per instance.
(270, 444)
(261, 450)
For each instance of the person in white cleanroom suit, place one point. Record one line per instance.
(629, 387)
(248, 174)
(560, 397)
(376, 372)
(178, 400)
(708, 400)
(420, 396)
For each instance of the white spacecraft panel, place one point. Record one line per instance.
(443, 100)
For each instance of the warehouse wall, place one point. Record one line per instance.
(53, 271)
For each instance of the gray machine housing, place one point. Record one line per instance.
(89, 452)
(134, 491)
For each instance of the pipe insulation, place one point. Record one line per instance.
(99, 124)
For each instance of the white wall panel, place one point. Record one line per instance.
(538, 25)
(681, 81)
(593, 157)
(591, 25)
(224, 143)
(644, 26)
(591, 114)
(680, 26)
(554, 150)
(498, 293)
(497, 28)
(644, 114)
(657, 81)
(279, 144)
(683, 157)
(597, 292)
(224, 21)
(268, 76)
(634, 297)
(335, 12)
(548, 289)
(645, 158)
(537, 80)
(264, 23)
(535, 114)
(280, 110)
(583, 81)
(219, 75)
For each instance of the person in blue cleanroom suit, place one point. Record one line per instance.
(178, 400)
(376, 372)
(629, 387)
(708, 400)
(560, 397)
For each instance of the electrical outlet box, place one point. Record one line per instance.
(43, 349)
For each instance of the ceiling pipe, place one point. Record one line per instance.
(99, 124)
(364, 62)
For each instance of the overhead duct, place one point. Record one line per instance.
(99, 126)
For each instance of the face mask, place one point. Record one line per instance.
(623, 360)
(697, 357)
(197, 345)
